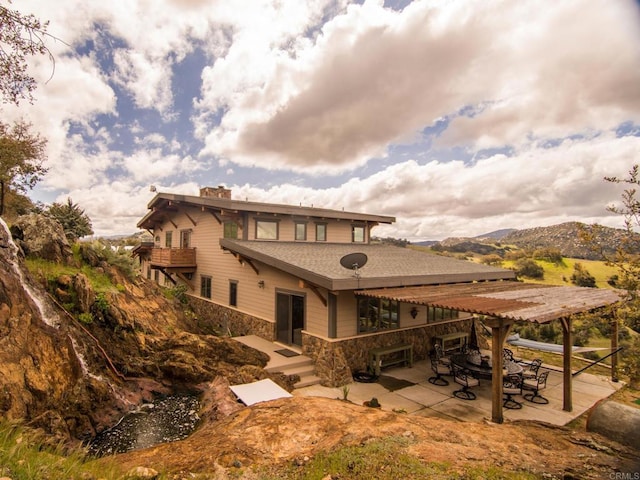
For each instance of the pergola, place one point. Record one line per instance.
(505, 303)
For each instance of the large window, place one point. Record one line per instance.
(230, 230)
(266, 230)
(437, 314)
(357, 233)
(233, 293)
(375, 314)
(205, 286)
(168, 237)
(321, 232)
(301, 231)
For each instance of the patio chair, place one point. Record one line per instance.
(532, 370)
(441, 357)
(464, 378)
(507, 355)
(511, 385)
(535, 385)
(439, 369)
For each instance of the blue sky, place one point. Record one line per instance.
(458, 118)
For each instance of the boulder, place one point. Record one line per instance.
(41, 236)
(616, 421)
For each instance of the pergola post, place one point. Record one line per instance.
(567, 350)
(500, 328)
(614, 348)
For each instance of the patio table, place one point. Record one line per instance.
(483, 370)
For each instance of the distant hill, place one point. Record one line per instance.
(564, 237)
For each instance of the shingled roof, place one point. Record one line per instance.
(386, 266)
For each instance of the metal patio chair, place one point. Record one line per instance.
(535, 385)
(467, 381)
(439, 369)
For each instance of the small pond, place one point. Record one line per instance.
(167, 419)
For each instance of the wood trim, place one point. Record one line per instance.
(314, 289)
(192, 220)
(567, 343)
(181, 276)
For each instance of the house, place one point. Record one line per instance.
(300, 275)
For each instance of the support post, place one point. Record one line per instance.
(567, 344)
(614, 348)
(499, 332)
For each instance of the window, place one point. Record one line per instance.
(321, 232)
(437, 314)
(156, 276)
(266, 230)
(357, 233)
(375, 314)
(156, 240)
(148, 273)
(233, 293)
(185, 239)
(205, 286)
(230, 230)
(168, 236)
(301, 231)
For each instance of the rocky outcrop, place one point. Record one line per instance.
(42, 375)
(41, 236)
(74, 371)
(616, 421)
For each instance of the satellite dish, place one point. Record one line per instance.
(354, 261)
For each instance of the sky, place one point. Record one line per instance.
(457, 117)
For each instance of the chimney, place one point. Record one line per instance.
(217, 192)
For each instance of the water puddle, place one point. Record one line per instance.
(167, 419)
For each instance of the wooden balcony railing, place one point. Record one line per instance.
(173, 257)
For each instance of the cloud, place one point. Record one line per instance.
(373, 76)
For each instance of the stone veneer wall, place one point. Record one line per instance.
(225, 319)
(336, 360)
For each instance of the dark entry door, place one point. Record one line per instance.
(289, 318)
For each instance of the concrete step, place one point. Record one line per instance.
(307, 381)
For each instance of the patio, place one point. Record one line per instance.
(407, 390)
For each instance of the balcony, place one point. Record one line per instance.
(174, 258)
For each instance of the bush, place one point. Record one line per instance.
(527, 267)
(581, 277)
(549, 254)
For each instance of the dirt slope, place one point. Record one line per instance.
(286, 430)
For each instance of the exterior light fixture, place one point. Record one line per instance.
(260, 283)
(414, 312)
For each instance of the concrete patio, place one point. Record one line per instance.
(404, 389)
(407, 390)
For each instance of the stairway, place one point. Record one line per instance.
(300, 365)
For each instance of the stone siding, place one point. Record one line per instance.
(227, 321)
(336, 360)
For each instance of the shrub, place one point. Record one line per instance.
(527, 267)
(581, 277)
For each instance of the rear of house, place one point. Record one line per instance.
(300, 275)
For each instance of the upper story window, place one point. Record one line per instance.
(185, 239)
(168, 236)
(267, 229)
(321, 232)
(230, 230)
(301, 231)
(357, 233)
(156, 241)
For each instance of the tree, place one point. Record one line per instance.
(20, 36)
(22, 155)
(626, 259)
(74, 221)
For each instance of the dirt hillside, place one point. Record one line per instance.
(291, 431)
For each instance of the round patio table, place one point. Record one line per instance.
(483, 370)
